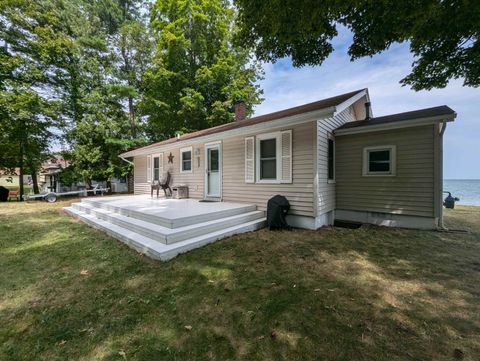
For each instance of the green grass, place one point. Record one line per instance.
(69, 292)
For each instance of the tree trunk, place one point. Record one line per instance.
(21, 171)
(34, 180)
(109, 186)
(130, 183)
(131, 115)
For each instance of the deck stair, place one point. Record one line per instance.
(160, 234)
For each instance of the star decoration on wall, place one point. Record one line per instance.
(170, 158)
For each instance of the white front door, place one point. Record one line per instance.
(213, 170)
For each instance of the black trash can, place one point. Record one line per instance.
(277, 209)
(3, 194)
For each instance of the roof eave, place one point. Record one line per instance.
(342, 106)
(397, 125)
(276, 123)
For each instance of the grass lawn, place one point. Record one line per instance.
(69, 292)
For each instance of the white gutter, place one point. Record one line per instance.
(282, 122)
(126, 160)
(395, 125)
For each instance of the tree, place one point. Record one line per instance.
(443, 35)
(197, 73)
(27, 114)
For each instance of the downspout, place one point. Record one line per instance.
(440, 156)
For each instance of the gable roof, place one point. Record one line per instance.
(428, 114)
(310, 107)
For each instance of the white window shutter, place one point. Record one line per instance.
(149, 168)
(286, 160)
(160, 165)
(249, 160)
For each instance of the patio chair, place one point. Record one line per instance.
(14, 194)
(165, 184)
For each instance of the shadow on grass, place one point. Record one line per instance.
(70, 292)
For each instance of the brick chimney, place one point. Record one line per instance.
(240, 111)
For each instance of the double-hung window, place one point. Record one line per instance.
(379, 161)
(156, 168)
(268, 159)
(186, 160)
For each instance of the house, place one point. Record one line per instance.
(50, 178)
(331, 159)
(10, 178)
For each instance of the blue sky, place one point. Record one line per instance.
(285, 86)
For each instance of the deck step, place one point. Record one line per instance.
(175, 222)
(165, 234)
(158, 250)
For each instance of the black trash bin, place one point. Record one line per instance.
(3, 194)
(277, 209)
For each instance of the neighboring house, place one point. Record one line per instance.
(331, 159)
(11, 179)
(50, 180)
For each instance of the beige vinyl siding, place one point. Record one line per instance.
(140, 175)
(409, 192)
(326, 190)
(299, 193)
(193, 180)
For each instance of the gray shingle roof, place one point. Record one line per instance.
(399, 117)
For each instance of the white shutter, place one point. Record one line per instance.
(249, 160)
(160, 165)
(286, 159)
(149, 168)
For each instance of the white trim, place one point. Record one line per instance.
(183, 150)
(395, 125)
(278, 157)
(211, 145)
(342, 106)
(393, 161)
(254, 128)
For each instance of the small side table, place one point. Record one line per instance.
(179, 192)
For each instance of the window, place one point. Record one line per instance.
(268, 158)
(156, 168)
(379, 160)
(273, 158)
(186, 160)
(331, 159)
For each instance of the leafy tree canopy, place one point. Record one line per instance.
(197, 73)
(443, 35)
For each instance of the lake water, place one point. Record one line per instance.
(468, 190)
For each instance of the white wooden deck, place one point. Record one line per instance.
(163, 228)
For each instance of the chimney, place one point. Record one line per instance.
(368, 110)
(240, 111)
